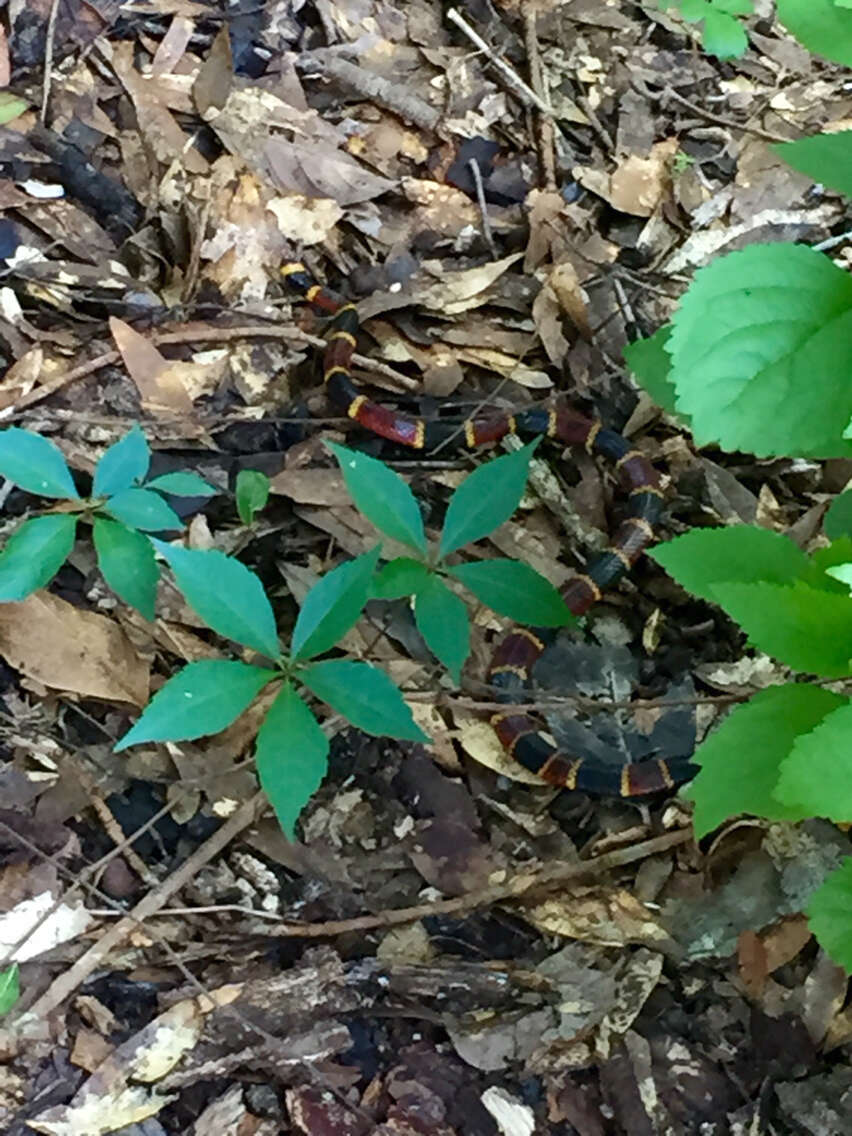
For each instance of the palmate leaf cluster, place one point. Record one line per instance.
(757, 358)
(123, 505)
(125, 509)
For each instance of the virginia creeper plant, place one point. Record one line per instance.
(122, 507)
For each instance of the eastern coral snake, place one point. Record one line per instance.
(515, 655)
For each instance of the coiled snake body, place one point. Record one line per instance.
(516, 654)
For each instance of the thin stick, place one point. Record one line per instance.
(512, 77)
(65, 984)
(48, 60)
(520, 885)
(483, 208)
(200, 335)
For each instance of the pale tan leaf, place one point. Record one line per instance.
(53, 642)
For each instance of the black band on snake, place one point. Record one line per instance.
(513, 660)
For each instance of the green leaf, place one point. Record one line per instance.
(227, 596)
(441, 619)
(741, 759)
(821, 25)
(401, 577)
(127, 563)
(702, 559)
(10, 988)
(723, 36)
(807, 628)
(142, 509)
(816, 776)
(365, 696)
(837, 521)
(201, 699)
(824, 560)
(11, 107)
(382, 496)
(842, 572)
(827, 158)
(34, 554)
(761, 350)
(252, 492)
(515, 590)
(124, 464)
(651, 364)
(291, 757)
(486, 498)
(830, 915)
(333, 605)
(35, 464)
(182, 483)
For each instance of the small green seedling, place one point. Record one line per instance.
(252, 493)
(123, 506)
(483, 501)
(207, 696)
(10, 988)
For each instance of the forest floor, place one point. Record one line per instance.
(450, 946)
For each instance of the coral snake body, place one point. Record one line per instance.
(515, 655)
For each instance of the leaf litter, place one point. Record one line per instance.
(179, 161)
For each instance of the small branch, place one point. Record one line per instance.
(522, 89)
(514, 889)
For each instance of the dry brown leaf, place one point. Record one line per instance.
(608, 916)
(160, 388)
(215, 75)
(21, 377)
(160, 129)
(308, 220)
(171, 47)
(53, 642)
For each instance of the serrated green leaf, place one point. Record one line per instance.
(486, 498)
(365, 696)
(142, 509)
(291, 757)
(401, 577)
(252, 493)
(182, 483)
(702, 559)
(34, 554)
(127, 563)
(650, 364)
(821, 26)
(766, 372)
(35, 464)
(10, 988)
(333, 605)
(827, 158)
(227, 596)
(441, 619)
(723, 36)
(830, 915)
(816, 776)
(515, 590)
(124, 464)
(741, 759)
(808, 629)
(382, 496)
(837, 521)
(201, 699)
